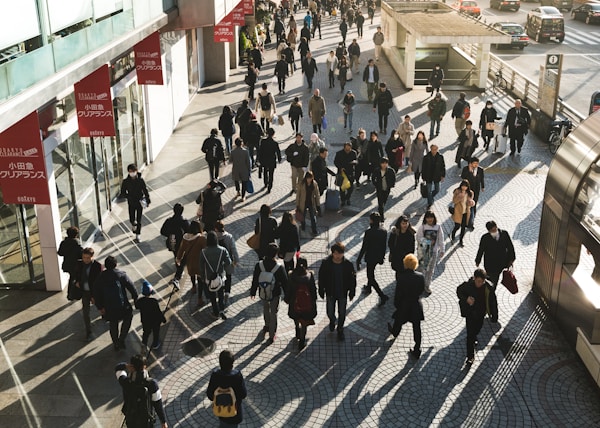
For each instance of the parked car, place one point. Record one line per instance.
(517, 33)
(545, 23)
(468, 7)
(559, 4)
(505, 4)
(589, 13)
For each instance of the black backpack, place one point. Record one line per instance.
(265, 101)
(137, 406)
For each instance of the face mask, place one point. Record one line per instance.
(133, 174)
(396, 136)
(488, 106)
(495, 234)
(437, 68)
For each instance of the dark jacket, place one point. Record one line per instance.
(213, 149)
(375, 74)
(134, 189)
(320, 171)
(226, 125)
(294, 281)
(214, 259)
(497, 254)
(436, 77)
(269, 153)
(463, 151)
(152, 385)
(289, 55)
(280, 278)
(407, 298)
(354, 49)
(289, 238)
(347, 162)
(175, 226)
(390, 178)
(295, 111)
(479, 309)
(297, 155)
(434, 167)
(70, 250)
(111, 296)
(256, 55)
(326, 285)
(233, 379)
(282, 69)
(520, 127)
(267, 227)
(459, 108)
(254, 132)
(150, 311)
(391, 145)
(305, 32)
(374, 152)
(373, 245)
(309, 67)
(383, 101)
(400, 244)
(94, 273)
(212, 206)
(476, 182)
(488, 115)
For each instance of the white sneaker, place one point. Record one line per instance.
(137, 238)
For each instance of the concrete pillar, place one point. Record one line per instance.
(482, 65)
(216, 57)
(234, 55)
(410, 59)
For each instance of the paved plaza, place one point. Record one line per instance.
(525, 374)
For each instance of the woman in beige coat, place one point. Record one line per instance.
(189, 253)
(462, 200)
(307, 198)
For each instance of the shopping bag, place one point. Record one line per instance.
(254, 241)
(275, 119)
(299, 215)
(345, 182)
(348, 75)
(510, 281)
(249, 187)
(274, 80)
(324, 123)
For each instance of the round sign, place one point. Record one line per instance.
(552, 59)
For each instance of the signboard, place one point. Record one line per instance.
(553, 61)
(224, 30)
(148, 62)
(23, 176)
(94, 105)
(237, 15)
(248, 7)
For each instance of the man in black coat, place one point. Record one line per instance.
(476, 296)
(407, 300)
(213, 149)
(433, 171)
(383, 103)
(298, 156)
(281, 71)
(474, 174)
(384, 178)
(254, 134)
(173, 229)
(309, 68)
(373, 248)
(112, 302)
(242, 118)
(227, 377)
(497, 250)
(320, 170)
(337, 281)
(517, 121)
(346, 161)
(134, 189)
(269, 155)
(256, 55)
(212, 204)
(371, 78)
(86, 273)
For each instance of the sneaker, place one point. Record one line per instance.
(415, 353)
(470, 360)
(156, 345)
(383, 300)
(244, 199)
(137, 237)
(175, 283)
(366, 290)
(223, 317)
(270, 340)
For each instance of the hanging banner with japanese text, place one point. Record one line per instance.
(148, 62)
(23, 176)
(94, 105)
(248, 7)
(224, 30)
(237, 14)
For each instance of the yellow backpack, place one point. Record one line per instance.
(224, 404)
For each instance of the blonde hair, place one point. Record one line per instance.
(411, 262)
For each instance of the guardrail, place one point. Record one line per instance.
(521, 86)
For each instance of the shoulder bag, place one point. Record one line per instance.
(254, 241)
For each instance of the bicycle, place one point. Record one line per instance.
(499, 82)
(560, 130)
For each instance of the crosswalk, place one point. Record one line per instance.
(576, 37)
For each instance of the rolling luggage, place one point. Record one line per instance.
(501, 142)
(332, 200)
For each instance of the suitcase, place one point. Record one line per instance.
(501, 142)
(424, 192)
(332, 200)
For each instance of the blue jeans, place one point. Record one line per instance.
(433, 125)
(433, 188)
(228, 142)
(313, 219)
(348, 120)
(341, 303)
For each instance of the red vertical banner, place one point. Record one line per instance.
(148, 62)
(94, 105)
(23, 175)
(248, 7)
(224, 30)
(237, 14)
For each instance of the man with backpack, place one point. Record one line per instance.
(173, 229)
(141, 394)
(302, 299)
(461, 112)
(112, 302)
(214, 263)
(265, 104)
(269, 280)
(213, 149)
(226, 389)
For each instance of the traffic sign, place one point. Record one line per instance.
(553, 61)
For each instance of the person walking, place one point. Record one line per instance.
(87, 271)
(518, 121)
(213, 149)
(316, 24)
(269, 156)
(475, 175)
(215, 262)
(378, 40)
(343, 70)
(371, 78)
(135, 191)
(317, 110)
(462, 200)
(434, 171)
(343, 29)
(288, 52)
(401, 242)
(476, 298)
(346, 162)
(257, 56)
(373, 250)
(487, 123)
(152, 316)
(226, 240)
(461, 112)
(281, 71)
(295, 114)
(337, 283)
(242, 118)
(265, 105)
(348, 102)
(416, 155)
(112, 302)
(394, 150)
(405, 132)
(341, 51)
(407, 301)
(189, 255)
(309, 68)
(383, 103)
(70, 249)
(374, 153)
(250, 79)
(430, 246)
(436, 110)
(467, 143)
(308, 199)
(360, 145)
(360, 21)
(173, 229)
(212, 204)
(304, 49)
(320, 170)
(314, 147)
(298, 156)
(436, 78)
(302, 300)
(289, 240)
(227, 127)
(241, 167)
(371, 10)
(354, 53)
(384, 179)
(497, 250)
(224, 380)
(254, 133)
(270, 276)
(266, 227)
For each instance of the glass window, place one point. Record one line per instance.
(587, 204)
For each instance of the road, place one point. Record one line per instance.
(580, 49)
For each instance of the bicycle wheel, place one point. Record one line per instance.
(502, 83)
(554, 142)
(495, 86)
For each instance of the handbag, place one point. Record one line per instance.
(254, 241)
(490, 126)
(429, 88)
(345, 182)
(324, 122)
(424, 191)
(349, 74)
(299, 215)
(451, 208)
(336, 72)
(274, 80)
(510, 281)
(249, 187)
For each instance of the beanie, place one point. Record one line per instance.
(147, 289)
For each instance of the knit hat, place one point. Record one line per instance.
(147, 289)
